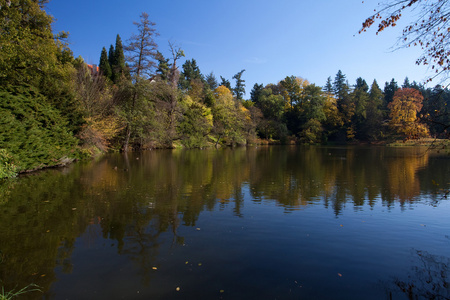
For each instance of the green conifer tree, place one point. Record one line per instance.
(111, 58)
(104, 65)
(239, 89)
(118, 68)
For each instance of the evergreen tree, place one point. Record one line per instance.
(328, 88)
(226, 83)
(118, 67)
(340, 88)
(190, 72)
(406, 83)
(211, 81)
(239, 89)
(111, 58)
(372, 126)
(360, 97)
(163, 69)
(361, 84)
(389, 91)
(256, 92)
(104, 65)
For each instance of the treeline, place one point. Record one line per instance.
(56, 108)
(294, 109)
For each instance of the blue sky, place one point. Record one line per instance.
(269, 39)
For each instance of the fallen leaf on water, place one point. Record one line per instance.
(186, 262)
(197, 228)
(341, 225)
(339, 274)
(199, 264)
(222, 291)
(154, 268)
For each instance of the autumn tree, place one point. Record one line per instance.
(292, 88)
(313, 114)
(141, 53)
(141, 48)
(228, 121)
(429, 30)
(174, 74)
(404, 109)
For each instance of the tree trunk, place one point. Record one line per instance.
(127, 139)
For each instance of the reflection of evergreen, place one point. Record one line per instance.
(139, 199)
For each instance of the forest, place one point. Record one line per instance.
(56, 108)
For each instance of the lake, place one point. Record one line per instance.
(272, 222)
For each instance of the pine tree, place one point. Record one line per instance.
(328, 88)
(190, 72)
(211, 81)
(141, 48)
(239, 89)
(256, 92)
(111, 58)
(340, 88)
(163, 67)
(104, 65)
(389, 91)
(226, 83)
(118, 66)
(372, 126)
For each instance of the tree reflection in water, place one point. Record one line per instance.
(429, 277)
(142, 204)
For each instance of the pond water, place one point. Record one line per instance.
(245, 223)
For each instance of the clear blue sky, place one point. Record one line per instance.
(269, 39)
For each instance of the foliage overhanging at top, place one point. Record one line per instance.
(430, 30)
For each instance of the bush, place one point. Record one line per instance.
(7, 167)
(32, 132)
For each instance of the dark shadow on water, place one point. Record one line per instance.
(428, 278)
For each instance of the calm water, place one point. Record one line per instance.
(246, 223)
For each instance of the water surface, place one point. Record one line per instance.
(245, 223)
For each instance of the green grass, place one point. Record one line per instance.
(16, 293)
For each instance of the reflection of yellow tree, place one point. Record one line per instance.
(402, 175)
(137, 197)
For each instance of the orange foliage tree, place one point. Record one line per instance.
(406, 104)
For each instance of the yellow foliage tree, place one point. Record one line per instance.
(223, 95)
(406, 104)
